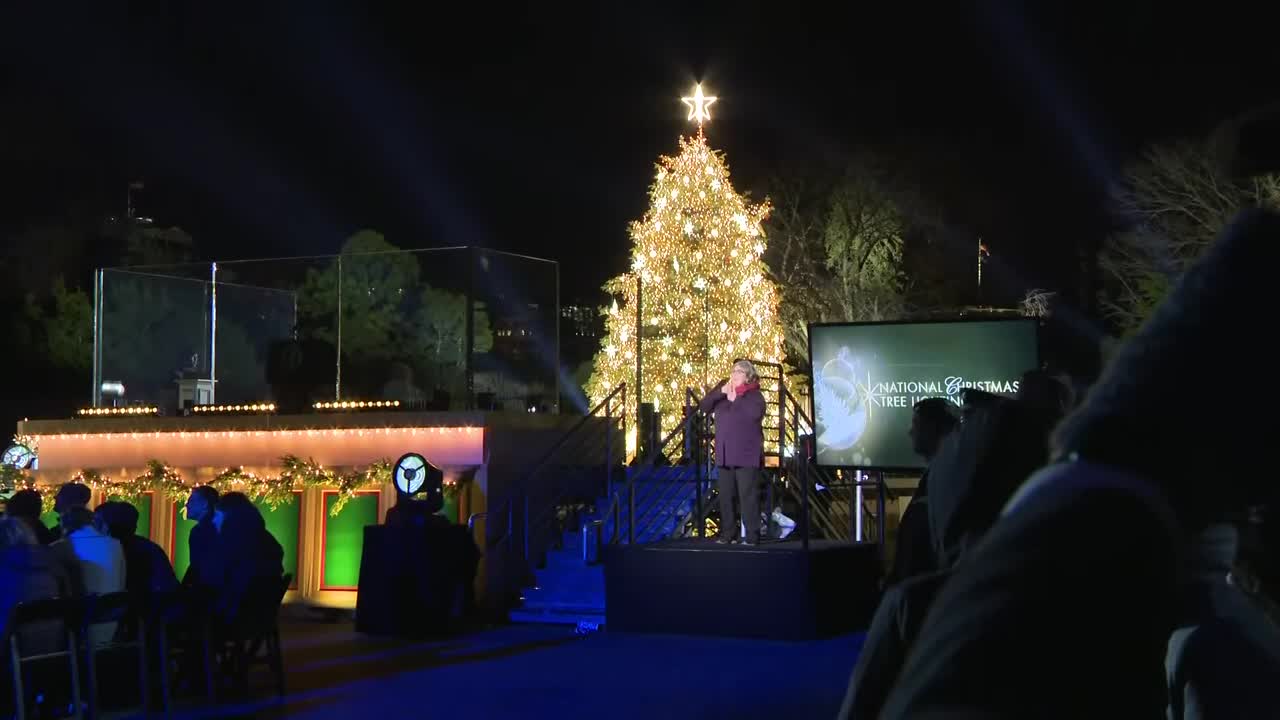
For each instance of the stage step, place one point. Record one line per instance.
(567, 591)
(594, 620)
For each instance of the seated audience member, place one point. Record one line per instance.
(1224, 657)
(147, 568)
(27, 505)
(1068, 606)
(1042, 390)
(976, 470)
(931, 422)
(68, 497)
(100, 558)
(204, 568)
(28, 572)
(258, 557)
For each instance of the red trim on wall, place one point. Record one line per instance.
(297, 560)
(173, 536)
(324, 534)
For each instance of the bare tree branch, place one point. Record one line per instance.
(836, 253)
(1177, 199)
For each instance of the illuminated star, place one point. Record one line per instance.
(699, 105)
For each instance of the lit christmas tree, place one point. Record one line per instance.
(705, 297)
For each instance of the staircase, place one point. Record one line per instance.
(566, 590)
(568, 587)
(565, 509)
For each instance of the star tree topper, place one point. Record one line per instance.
(699, 105)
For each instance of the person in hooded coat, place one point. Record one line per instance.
(1067, 607)
(977, 469)
(252, 551)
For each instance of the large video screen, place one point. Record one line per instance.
(868, 376)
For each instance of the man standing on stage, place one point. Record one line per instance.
(738, 407)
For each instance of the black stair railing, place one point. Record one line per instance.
(580, 466)
(655, 502)
(648, 506)
(829, 501)
(833, 503)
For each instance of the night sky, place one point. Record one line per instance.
(535, 129)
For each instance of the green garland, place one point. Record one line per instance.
(274, 491)
(299, 473)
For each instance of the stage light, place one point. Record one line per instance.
(256, 408)
(119, 412)
(348, 405)
(310, 432)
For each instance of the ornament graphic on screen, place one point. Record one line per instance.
(410, 473)
(840, 404)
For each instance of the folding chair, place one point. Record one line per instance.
(131, 634)
(35, 617)
(254, 636)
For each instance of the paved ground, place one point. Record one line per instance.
(533, 671)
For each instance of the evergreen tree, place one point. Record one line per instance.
(704, 292)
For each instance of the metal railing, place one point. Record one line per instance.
(832, 502)
(656, 490)
(668, 492)
(590, 451)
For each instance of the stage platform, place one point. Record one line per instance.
(774, 590)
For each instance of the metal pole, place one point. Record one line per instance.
(639, 357)
(853, 518)
(880, 523)
(526, 527)
(857, 506)
(804, 502)
(96, 395)
(782, 416)
(213, 332)
(470, 324)
(608, 450)
(337, 379)
(695, 454)
(557, 322)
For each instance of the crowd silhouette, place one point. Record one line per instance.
(94, 562)
(1111, 558)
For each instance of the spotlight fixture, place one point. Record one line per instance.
(119, 411)
(358, 405)
(228, 409)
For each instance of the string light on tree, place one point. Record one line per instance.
(707, 298)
